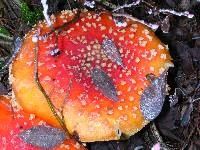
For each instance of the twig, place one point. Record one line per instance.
(197, 99)
(90, 4)
(150, 25)
(45, 12)
(61, 122)
(69, 5)
(137, 2)
(169, 11)
(185, 13)
(107, 4)
(196, 38)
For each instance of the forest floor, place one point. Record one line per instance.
(178, 125)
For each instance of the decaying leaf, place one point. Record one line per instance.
(43, 136)
(186, 113)
(152, 99)
(165, 25)
(173, 99)
(111, 51)
(3, 89)
(104, 83)
(17, 46)
(185, 58)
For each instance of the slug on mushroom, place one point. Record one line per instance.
(96, 78)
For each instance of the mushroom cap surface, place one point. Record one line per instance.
(66, 77)
(14, 121)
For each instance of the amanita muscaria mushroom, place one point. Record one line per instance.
(15, 121)
(73, 67)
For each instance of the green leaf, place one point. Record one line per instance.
(4, 31)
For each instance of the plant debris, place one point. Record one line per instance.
(152, 98)
(41, 136)
(3, 90)
(111, 51)
(104, 83)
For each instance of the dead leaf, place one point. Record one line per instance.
(165, 25)
(152, 99)
(104, 83)
(111, 51)
(43, 136)
(3, 90)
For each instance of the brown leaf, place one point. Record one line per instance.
(186, 112)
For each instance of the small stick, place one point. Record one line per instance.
(107, 4)
(137, 2)
(62, 124)
(45, 13)
(90, 4)
(194, 100)
(150, 25)
(69, 5)
(170, 11)
(196, 38)
(185, 13)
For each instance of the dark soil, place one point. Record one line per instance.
(177, 127)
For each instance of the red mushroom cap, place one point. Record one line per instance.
(88, 110)
(13, 122)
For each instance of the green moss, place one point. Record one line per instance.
(4, 31)
(30, 16)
